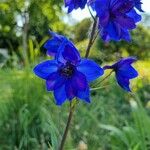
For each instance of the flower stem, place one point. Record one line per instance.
(97, 88)
(67, 126)
(91, 38)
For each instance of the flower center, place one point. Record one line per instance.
(67, 70)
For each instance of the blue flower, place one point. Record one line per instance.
(124, 72)
(52, 45)
(75, 4)
(116, 18)
(68, 75)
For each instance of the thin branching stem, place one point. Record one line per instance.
(91, 13)
(97, 88)
(92, 36)
(67, 126)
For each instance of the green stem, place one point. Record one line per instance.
(67, 126)
(97, 88)
(91, 42)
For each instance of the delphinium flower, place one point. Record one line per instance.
(68, 75)
(124, 72)
(116, 18)
(75, 4)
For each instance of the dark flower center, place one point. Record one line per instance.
(67, 70)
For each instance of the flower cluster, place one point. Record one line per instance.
(68, 75)
(116, 17)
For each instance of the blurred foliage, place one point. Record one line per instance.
(81, 30)
(22, 21)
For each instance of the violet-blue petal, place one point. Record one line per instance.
(84, 95)
(125, 61)
(44, 69)
(60, 95)
(134, 15)
(113, 30)
(77, 83)
(68, 52)
(122, 6)
(75, 4)
(71, 91)
(52, 45)
(125, 35)
(123, 82)
(127, 71)
(125, 22)
(138, 5)
(54, 81)
(90, 69)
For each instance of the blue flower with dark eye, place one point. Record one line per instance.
(116, 18)
(75, 4)
(124, 71)
(68, 75)
(52, 45)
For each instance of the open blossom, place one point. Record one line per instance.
(124, 72)
(116, 18)
(75, 4)
(68, 76)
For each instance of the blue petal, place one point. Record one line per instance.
(68, 52)
(125, 22)
(75, 4)
(138, 5)
(125, 35)
(127, 71)
(123, 82)
(44, 69)
(54, 81)
(77, 83)
(122, 6)
(125, 61)
(133, 14)
(52, 45)
(84, 95)
(71, 92)
(60, 95)
(90, 69)
(113, 30)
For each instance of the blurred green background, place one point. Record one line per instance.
(29, 118)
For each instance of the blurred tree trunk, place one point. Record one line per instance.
(25, 37)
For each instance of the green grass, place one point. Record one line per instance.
(29, 119)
